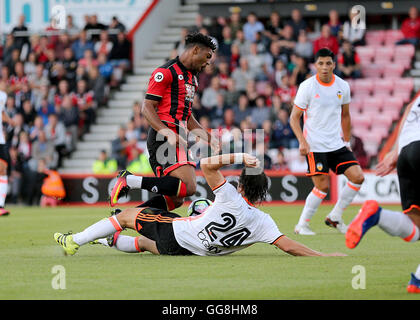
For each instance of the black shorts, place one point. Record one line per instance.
(338, 161)
(408, 170)
(156, 224)
(163, 157)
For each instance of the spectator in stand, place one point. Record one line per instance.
(209, 98)
(274, 26)
(28, 113)
(252, 26)
(16, 174)
(41, 49)
(119, 56)
(242, 75)
(97, 84)
(356, 36)
(43, 149)
(234, 57)
(283, 136)
(18, 79)
(71, 28)
(287, 42)
(9, 46)
(218, 111)
(286, 91)
(279, 72)
(37, 127)
(88, 61)
(29, 66)
(242, 43)
(260, 113)
(304, 46)
(348, 62)
(223, 74)
(411, 28)
(93, 26)
(180, 45)
(69, 116)
(104, 45)
(56, 132)
(86, 105)
(104, 164)
(225, 44)
(105, 67)
(140, 163)
(118, 146)
(21, 40)
(326, 40)
(300, 72)
(64, 42)
(45, 109)
(256, 64)
(280, 163)
(231, 94)
(334, 23)
(70, 65)
(81, 45)
(297, 23)
(242, 110)
(117, 24)
(37, 80)
(235, 23)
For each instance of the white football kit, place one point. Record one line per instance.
(228, 225)
(322, 104)
(3, 98)
(410, 132)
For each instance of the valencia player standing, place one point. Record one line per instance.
(167, 107)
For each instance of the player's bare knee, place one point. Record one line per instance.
(126, 217)
(358, 179)
(414, 215)
(191, 189)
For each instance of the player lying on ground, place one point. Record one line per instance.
(406, 158)
(231, 223)
(167, 108)
(324, 100)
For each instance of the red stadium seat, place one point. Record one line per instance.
(406, 50)
(384, 54)
(360, 122)
(404, 84)
(393, 103)
(373, 70)
(392, 36)
(393, 71)
(382, 120)
(363, 86)
(383, 86)
(371, 148)
(375, 37)
(373, 103)
(366, 53)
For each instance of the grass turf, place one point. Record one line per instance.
(28, 254)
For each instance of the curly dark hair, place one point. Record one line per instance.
(200, 39)
(255, 187)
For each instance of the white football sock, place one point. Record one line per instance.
(134, 182)
(127, 244)
(398, 224)
(3, 190)
(346, 197)
(417, 274)
(313, 200)
(100, 229)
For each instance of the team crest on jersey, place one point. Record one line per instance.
(158, 76)
(190, 92)
(319, 166)
(339, 94)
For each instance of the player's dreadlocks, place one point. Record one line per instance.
(255, 187)
(200, 39)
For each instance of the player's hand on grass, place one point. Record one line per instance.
(388, 163)
(304, 148)
(335, 254)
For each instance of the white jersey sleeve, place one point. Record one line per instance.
(303, 96)
(347, 93)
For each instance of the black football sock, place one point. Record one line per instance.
(160, 202)
(167, 185)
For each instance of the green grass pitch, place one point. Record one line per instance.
(28, 255)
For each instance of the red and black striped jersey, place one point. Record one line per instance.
(174, 87)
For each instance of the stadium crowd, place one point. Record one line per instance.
(55, 83)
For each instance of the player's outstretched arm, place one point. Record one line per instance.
(211, 165)
(297, 130)
(297, 249)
